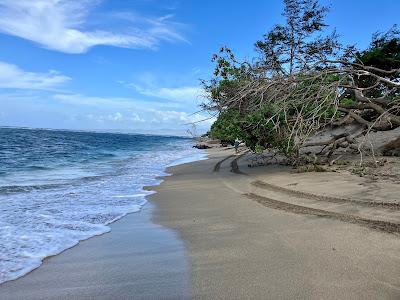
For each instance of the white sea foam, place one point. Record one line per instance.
(42, 222)
(194, 157)
(130, 196)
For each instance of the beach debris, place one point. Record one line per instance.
(201, 146)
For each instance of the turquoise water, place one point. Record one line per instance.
(60, 187)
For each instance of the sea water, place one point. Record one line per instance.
(60, 187)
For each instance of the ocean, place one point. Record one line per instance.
(60, 187)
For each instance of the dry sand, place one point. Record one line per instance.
(227, 245)
(240, 249)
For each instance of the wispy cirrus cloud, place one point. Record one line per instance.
(174, 89)
(13, 77)
(62, 25)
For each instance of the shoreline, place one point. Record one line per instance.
(144, 215)
(196, 156)
(224, 245)
(123, 263)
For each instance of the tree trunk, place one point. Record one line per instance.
(392, 148)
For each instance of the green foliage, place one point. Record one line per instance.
(384, 51)
(259, 149)
(254, 130)
(228, 127)
(262, 132)
(286, 47)
(227, 67)
(347, 101)
(291, 92)
(360, 171)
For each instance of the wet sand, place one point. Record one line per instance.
(137, 260)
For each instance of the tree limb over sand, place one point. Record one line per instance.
(303, 85)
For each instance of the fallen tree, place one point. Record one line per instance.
(301, 86)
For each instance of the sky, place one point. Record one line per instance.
(136, 65)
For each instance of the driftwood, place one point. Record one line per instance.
(392, 148)
(201, 146)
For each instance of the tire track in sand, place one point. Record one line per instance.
(383, 226)
(306, 195)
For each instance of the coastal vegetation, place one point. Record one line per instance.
(305, 82)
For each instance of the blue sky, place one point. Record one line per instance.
(135, 65)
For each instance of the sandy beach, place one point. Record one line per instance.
(137, 260)
(254, 233)
(199, 150)
(240, 249)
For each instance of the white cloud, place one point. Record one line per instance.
(173, 87)
(136, 118)
(179, 117)
(60, 25)
(127, 109)
(180, 94)
(116, 117)
(12, 76)
(119, 103)
(39, 109)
